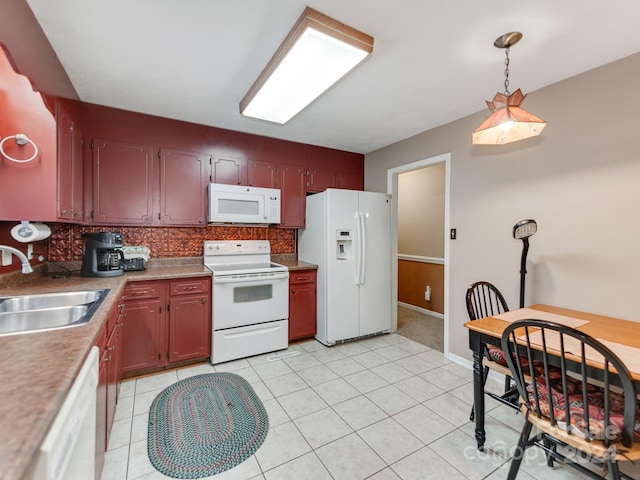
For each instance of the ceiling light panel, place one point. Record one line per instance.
(316, 53)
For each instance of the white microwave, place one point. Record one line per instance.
(242, 204)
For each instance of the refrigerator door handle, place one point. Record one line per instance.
(362, 246)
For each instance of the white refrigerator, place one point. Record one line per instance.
(347, 235)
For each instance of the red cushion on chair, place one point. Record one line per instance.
(496, 354)
(595, 400)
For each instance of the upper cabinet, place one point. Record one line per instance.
(262, 174)
(183, 187)
(70, 181)
(154, 171)
(123, 176)
(227, 170)
(328, 168)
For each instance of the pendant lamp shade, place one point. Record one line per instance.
(508, 122)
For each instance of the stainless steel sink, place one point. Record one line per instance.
(21, 303)
(30, 320)
(47, 311)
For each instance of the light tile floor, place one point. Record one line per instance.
(383, 408)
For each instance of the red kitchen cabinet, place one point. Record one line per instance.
(189, 320)
(292, 183)
(302, 304)
(183, 187)
(123, 176)
(101, 404)
(334, 169)
(166, 323)
(110, 373)
(228, 170)
(143, 330)
(350, 180)
(320, 179)
(262, 174)
(69, 180)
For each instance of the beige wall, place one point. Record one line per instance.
(421, 212)
(580, 180)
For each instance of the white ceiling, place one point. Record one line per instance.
(433, 61)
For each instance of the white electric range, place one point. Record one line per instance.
(250, 299)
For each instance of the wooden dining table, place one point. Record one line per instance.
(621, 336)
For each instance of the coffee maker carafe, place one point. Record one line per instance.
(102, 255)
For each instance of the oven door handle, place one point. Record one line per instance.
(251, 278)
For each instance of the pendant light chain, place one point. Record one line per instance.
(506, 71)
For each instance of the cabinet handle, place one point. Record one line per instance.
(108, 359)
(63, 212)
(192, 287)
(293, 292)
(144, 292)
(204, 300)
(111, 348)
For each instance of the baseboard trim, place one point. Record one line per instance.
(493, 376)
(420, 309)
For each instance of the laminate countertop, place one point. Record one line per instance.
(38, 368)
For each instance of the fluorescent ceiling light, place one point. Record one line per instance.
(317, 52)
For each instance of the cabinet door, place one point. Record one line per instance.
(320, 179)
(228, 170)
(349, 181)
(189, 327)
(262, 174)
(65, 164)
(112, 378)
(183, 187)
(143, 335)
(122, 183)
(77, 172)
(101, 403)
(293, 191)
(302, 304)
(302, 311)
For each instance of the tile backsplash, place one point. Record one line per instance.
(65, 243)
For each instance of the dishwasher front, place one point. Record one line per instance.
(68, 451)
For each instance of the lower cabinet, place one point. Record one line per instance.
(302, 304)
(166, 322)
(110, 373)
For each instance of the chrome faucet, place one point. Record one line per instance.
(26, 267)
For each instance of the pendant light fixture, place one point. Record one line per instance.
(508, 121)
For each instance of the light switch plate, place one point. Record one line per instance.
(6, 258)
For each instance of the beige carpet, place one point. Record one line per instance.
(423, 328)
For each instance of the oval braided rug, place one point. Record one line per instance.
(205, 425)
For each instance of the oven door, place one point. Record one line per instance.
(240, 300)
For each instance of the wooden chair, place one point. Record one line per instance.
(583, 400)
(483, 299)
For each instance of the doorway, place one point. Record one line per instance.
(414, 308)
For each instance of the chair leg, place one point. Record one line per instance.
(547, 443)
(485, 374)
(507, 383)
(518, 454)
(613, 468)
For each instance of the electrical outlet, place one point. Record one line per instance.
(6, 258)
(453, 234)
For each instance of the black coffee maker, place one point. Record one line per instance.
(102, 255)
